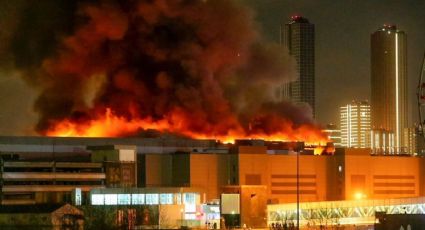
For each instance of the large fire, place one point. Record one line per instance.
(111, 125)
(199, 69)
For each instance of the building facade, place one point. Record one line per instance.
(184, 179)
(334, 134)
(355, 125)
(298, 37)
(389, 83)
(382, 142)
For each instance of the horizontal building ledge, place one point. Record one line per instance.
(52, 176)
(17, 202)
(25, 164)
(47, 188)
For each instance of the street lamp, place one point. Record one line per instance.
(298, 190)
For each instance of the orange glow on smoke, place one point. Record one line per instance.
(111, 125)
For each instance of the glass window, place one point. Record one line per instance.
(189, 198)
(166, 198)
(97, 199)
(152, 199)
(190, 208)
(137, 198)
(111, 199)
(124, 199)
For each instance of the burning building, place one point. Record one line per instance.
(107, 171)
(197, 69)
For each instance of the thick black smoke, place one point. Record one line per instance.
(201, 60)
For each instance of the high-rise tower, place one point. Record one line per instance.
(355, 125)
(298, 37)
(389, 83)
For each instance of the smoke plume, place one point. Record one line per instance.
(198, 68)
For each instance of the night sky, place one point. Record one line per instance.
(343, 31)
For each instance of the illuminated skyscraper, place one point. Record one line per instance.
(298, 37)
(355, 125)
(389, 83)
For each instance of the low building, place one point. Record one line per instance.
(165, 207)
(281, 169)
(35, 182)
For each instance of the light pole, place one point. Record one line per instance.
(298, 190)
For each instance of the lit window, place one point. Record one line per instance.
(97, 199)
(152, 199)
(189, 208)
(111, 199)
(124, 199)
(137, 198)
(189, 198)
(166, 198)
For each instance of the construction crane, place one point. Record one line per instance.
(421, 99)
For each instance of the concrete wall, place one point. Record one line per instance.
(253, 206)
(158, 170)
(204, 174)
(279, 174)
(381, 177)
(350, 174)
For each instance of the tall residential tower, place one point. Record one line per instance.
(298, 37)
(389, 84)
(355, 125)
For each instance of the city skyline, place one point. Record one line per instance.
(211, 114)
(343, 30)
(342, 61)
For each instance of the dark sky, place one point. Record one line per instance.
(343, 31)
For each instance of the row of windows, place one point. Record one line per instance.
(138, 199)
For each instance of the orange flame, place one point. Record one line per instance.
(111, 125)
